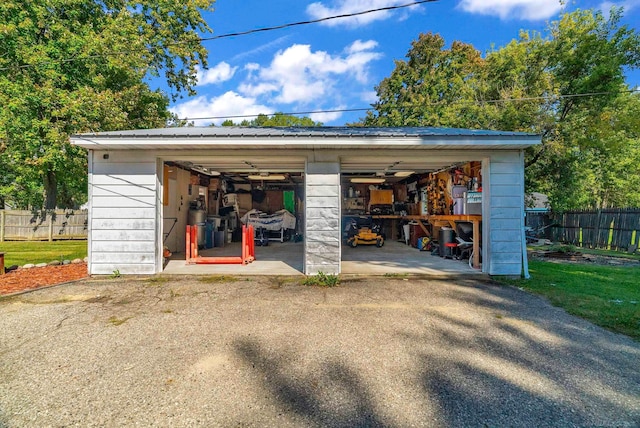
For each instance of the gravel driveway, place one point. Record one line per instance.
(206, 351)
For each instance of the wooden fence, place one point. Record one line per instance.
(43, 225)
(615, 229)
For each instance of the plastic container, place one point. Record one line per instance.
(446, 236)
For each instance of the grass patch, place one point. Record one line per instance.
(118, 321)
(23, 252)
(396, 275)
(608, 296)
(322, 280)
(280, 281)
(157, 280)
(216, 279)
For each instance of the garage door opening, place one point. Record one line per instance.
(411, 216)
(219, 196)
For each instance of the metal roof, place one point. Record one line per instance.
(280, 149)
(301, 132)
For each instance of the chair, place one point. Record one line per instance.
(464, 232)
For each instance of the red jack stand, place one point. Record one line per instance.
(248, 250)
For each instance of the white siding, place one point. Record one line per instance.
(123, 213)
(322, 218)
(505, 198)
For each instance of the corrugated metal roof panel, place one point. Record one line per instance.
(282, 132)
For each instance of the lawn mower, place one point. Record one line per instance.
(365, 235)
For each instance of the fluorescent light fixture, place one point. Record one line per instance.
(403, 173)
(365, 180)
(274, 177)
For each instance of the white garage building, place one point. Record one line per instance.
(128, 183)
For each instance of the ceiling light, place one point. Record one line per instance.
(367, 180)
(267, 177)
(214, 173)
(403, 173)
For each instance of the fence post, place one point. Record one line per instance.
(50, 227)
(599, 218)
(3, 214)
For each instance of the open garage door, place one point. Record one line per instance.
(220, 194)
(417, 214)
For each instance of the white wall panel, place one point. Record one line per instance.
(133, 180)
(123, 213)
(506, 175)
(123, 235)
(127, 258)
(123, 246)
(128, 224)
(110, 167)
(322, 217)
(107, 201)
(123, 190)
(103, 268)
(501, 178)
(123, 221)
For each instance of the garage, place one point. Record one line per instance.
(408, 186)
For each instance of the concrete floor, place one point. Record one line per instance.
(287, 259)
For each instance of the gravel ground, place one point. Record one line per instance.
(205, 351)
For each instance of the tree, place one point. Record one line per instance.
(72, 66)
(278, 119)
(566, 86)
(422, 90)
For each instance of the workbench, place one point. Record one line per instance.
(443, 220)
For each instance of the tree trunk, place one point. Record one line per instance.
(50, 190)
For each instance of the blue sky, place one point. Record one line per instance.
(337, 64)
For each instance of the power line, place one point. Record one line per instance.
(315, 21)
(234, 34)
(348, 110)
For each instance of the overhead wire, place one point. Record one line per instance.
(233, 34)
(435, 103)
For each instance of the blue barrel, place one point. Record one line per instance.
(208, 235)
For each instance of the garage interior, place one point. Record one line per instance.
(397, 215)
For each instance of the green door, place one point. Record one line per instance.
(289, 201)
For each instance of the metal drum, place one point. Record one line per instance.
(198, 218)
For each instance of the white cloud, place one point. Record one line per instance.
(319, 10)
(628, 5)
(369, 97)
(218, 74)
(228, 104)
(260, 49)
(360, 46)
(523, 9)
(300, 75)
(328, 116)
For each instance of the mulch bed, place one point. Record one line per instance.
(27, 279)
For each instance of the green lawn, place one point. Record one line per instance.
(21, 252)
(608, 296)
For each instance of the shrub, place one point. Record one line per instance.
(322, 280)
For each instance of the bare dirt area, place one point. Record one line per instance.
(37, 277)
(267, 351)
(581, 258)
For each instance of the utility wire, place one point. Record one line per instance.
(348, 110)
(228, 35)
(315, 21)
